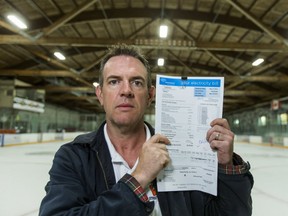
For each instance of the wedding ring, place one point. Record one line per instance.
(217, 136)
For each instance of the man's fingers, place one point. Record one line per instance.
(221, 122)
(159, 138)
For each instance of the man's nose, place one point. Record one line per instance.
(126, 89)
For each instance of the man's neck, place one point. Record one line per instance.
(128, 143)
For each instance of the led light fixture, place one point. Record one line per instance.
(163, 31)
(59, 55)
(160, 61)
(17, 21)
(258, 62)
(95, 84)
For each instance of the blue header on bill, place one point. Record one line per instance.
(190, 82)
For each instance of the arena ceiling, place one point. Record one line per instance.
(205, 38)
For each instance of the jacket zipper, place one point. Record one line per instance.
(97, 155)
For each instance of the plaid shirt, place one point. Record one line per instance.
(239, 166)
(135, 186)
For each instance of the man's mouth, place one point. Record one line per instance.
(125, 105)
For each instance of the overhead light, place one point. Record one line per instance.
(258, 62)
(17, 21)
(163, 31)
(95, 84)
(160, 61)
(59, 55)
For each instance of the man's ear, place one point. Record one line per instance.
(151, 94)
(98, 92)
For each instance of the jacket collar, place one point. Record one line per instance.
(96, 138)
(96, 141)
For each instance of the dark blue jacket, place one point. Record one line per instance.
(82, 182)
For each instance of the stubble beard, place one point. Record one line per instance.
(127, 124)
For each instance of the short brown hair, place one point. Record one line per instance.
(128, 50)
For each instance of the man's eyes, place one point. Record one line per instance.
(137, 83)
(113, 82)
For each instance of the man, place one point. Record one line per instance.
(112, 171)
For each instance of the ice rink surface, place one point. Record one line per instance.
(24, 173)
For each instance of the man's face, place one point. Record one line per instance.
(124, 94)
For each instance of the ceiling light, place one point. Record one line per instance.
(258, 62)
(59, 56)
(163, 32)
(160, 61)
(17, 21)
(95, 84)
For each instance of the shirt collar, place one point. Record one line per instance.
(115, 156)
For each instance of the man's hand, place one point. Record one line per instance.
(221, 139)
(153, 158)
